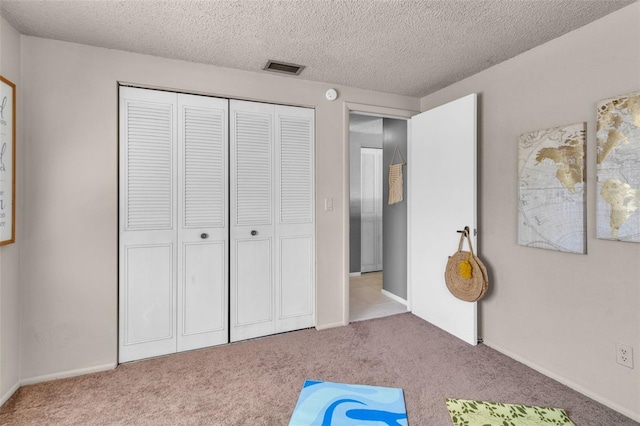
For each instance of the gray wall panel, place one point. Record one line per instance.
(394, 222)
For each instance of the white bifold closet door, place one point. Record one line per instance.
(371, 209)
(173, 226)
(272, 259)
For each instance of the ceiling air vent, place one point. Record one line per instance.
(283, 67)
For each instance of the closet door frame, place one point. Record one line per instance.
(187, 242)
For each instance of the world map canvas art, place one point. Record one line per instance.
(552, 189)
(618, 171)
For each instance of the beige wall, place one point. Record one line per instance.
(9, 254)
(561, 313)
(69, 317)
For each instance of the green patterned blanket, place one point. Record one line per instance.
(481, 413)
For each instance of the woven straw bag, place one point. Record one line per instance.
(466, 275)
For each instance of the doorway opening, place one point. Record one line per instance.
(378, 231)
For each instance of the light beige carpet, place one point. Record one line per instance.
(258, 382)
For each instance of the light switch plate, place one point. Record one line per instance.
(328, 204)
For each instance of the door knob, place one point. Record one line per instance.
(204, 235)
(254, 232)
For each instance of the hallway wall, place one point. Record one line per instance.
(385, 133)
(394, 228)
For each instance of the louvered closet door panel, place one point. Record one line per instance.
(147, 226)
(253, 167)
(149, 157)
(252, 228)
(295, 226)
(203, 223)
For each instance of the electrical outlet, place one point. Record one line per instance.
(624, 355)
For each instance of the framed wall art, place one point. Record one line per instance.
(7, 161)
(618, 171)
(551, 184)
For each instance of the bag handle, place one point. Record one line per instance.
(464, 234)
(397, 151)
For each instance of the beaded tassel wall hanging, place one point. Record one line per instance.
(395, 179)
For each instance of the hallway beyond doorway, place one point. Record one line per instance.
(367, 300)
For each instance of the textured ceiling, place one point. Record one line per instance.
(408, 47)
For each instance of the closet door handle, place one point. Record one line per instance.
(254, 232)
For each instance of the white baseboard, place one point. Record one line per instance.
(331, 325)
(355, 274)
(614, 406)
(9, 393)
(70, 373)
(394, 297)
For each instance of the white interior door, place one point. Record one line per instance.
(203, 226)
(442, 200)
(252, 227)
(295, 213)
(185, 268)
(272, 225)
(371, 209)
(147, 228)
(173, 223)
